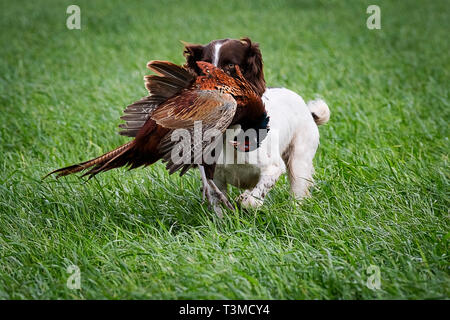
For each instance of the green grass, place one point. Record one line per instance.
(382, 180)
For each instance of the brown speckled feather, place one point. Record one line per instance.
(176, 100)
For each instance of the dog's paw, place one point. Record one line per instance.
(248, 201)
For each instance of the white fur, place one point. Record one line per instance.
(320, 109)
(291, 120)
(216, 53)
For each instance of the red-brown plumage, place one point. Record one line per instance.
(176, 100)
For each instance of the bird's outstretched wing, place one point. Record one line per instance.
(171, 79)
(194, 111)
(175, 103)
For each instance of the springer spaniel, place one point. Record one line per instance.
(291, 119)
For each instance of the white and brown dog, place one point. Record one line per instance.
(291, 119)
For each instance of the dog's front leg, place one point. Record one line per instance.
(254, 198)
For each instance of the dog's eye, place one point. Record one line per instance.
(230, 65)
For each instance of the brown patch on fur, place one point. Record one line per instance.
(243, 53)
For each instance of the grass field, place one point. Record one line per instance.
(382, 180)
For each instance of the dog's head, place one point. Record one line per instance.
(226, 54)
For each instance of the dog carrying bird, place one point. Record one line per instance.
(293, 125)
(177, 100)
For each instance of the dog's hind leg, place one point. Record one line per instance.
(299, 162)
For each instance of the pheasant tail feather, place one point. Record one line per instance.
(99, 164)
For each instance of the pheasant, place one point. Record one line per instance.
(179, 99)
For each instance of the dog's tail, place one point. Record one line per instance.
(319, 111)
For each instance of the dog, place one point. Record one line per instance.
(293, 123)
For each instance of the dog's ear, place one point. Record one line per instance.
(253, 69)
(192, 53)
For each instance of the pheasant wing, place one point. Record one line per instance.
(171, 79)
(194, 111)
